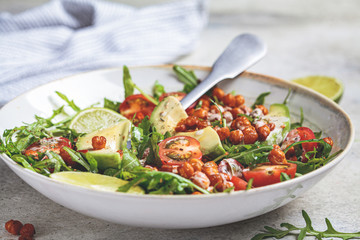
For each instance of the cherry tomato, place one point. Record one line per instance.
(307, 134)
(239, 183)
(136, 104)
(175, 150)
(178, 95)
(52, 144)
(231, 167)
(266, 174)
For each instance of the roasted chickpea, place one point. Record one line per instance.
(205, 101)
(200, 113)
(191, 122)
(219, 181)
(329, 140)
(180, 127)
(263, 109)
(196, 193)
(98, 142)
(250, 135)
(200, 179)
(236, 137)
(170, 168)
(218, 93)
(203, 124)
(223, 133)
(240, 122)
(206, 108)
(235, 112)
(210, 168)
(239, 100)
(229, 100)
(27, 230)
(196, 164)
(277, 156)
(190, 112)
(271, 126)
(246, 109)
(263, 132)
(227, 116)
(13, 227)
(186, 170)
(214, 109)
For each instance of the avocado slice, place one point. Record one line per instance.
(116, 136)
(279, 115)
(106, 158)
(210, 143)
(167, 114)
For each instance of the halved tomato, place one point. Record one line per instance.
(54, 144)
(266, 174)
(178, 95)
(239, 184)
(136, 104)
(307, 134)
(178, 149)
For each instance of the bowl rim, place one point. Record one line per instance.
(262, 77)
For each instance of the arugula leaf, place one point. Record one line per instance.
(140, 137)
(129, 86)
(187, 77)
(22, 160)
(92, 162)
(260, 100)
(129, 161)
(284, 177)
(285, 102)
(155, 182)
(57, 158)
(302, 232)
(76, 157)
(154, 158)
(113, 105)
(158, 90)
(128, 83)
(298, 124)
(249, 184)
(70, 103)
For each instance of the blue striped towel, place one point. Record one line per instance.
(64, 37)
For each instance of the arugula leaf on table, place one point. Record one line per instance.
(302, 232)
(156, 182)
(158, 90)
(113, 105)
(260, 100)
(187, 77)
(130, 86)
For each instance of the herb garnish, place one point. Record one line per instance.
(302, 232)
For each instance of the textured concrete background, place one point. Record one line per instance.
(304, 38)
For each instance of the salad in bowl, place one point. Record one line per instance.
(149, 144)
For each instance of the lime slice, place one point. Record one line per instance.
(328, 86)
(91, 119)
(94, 181)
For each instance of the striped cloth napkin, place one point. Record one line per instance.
(64, 37)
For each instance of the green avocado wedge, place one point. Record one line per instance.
(279, 115)
(106, 158)
(116, 136)
(210, 144)
(167, 114)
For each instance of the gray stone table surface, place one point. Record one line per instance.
(304, 38)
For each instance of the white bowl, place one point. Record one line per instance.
(175, 211)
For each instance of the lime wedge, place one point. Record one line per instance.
(94, 181)
(91, 119)
(328, 86)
